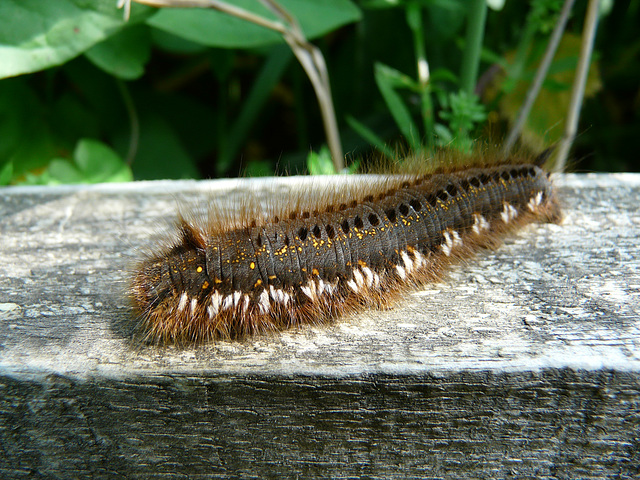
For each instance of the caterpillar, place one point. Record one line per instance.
(316, 257)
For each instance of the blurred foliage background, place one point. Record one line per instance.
(86, 96)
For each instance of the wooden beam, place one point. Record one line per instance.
(524, 362)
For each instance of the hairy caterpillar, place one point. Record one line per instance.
(315, 258)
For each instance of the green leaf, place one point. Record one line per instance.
(388, 79)
(62, 171)
(99, 163)
(218, 29)
(38, 34)
(6, 173)
(320, 163)
(463, 111)
(124, 54)
(93, 162)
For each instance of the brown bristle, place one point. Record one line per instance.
(316, 256)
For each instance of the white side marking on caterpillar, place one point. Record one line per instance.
(448, 244)
(457, 241)
(285, 298)
(331, 287)
(263, 302)
(183, 301)
(401, 272)
(368, 274)
(535, 202)
(275, 294)
(309, 290)
(408, 263)
(194, 305)
(216, 301)
(228, 302)
(236, 298)
(245, 304)
(321, 287)
(479, 224)
(509, 212)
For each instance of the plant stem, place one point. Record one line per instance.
(532, 94)
(577, 93)
(476, 19)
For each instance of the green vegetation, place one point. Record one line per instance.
(87, 96)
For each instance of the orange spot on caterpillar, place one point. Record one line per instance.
(355, 247)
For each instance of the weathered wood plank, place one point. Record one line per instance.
(524, 362)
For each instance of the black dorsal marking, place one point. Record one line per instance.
(391, 214)
(331, 233)
(443, 195)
